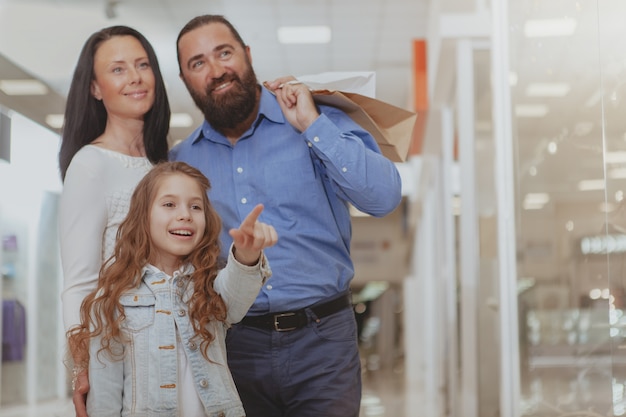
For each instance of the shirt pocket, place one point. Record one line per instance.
(139, 311)
(290, 183)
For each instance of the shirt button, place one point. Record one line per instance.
(316, 139)
(244, 200)
(193, 345)
(180, 283)
(310, 144)
(204, 383)
(344, 169)
(269, 287)
(181, 313)
(240, 170)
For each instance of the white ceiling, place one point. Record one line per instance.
(44, 38)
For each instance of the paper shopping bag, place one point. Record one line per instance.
(391, 126)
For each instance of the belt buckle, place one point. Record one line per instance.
(276, 324)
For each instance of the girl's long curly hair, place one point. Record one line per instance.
(101, 312)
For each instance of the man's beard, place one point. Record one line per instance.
(227, 111)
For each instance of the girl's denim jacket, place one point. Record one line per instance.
(144, 381)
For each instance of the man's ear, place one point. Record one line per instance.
(249, 54)
(95, 91)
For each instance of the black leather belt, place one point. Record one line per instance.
(292, 320)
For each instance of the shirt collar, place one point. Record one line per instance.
(150, 269)
(268, 109)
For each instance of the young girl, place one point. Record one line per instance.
(153, 330)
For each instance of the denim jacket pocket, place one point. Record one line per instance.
(139, 311)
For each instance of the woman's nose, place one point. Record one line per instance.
(134, 75)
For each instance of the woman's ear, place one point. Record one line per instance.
(95, 91)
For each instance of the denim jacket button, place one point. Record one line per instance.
(204, 383)
(192, 345)
(181, 313)
(221, 414)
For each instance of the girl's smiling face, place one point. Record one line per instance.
(177, 221)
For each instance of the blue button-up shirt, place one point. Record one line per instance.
(305, 180)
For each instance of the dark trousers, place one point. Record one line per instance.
(314, 371)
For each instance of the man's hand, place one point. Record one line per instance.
(295, 100)
(278, 82)
(252, 236)
(80, 386)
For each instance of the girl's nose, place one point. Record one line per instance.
(184, 214)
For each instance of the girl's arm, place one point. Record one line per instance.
(106, 380)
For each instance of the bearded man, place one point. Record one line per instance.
(295, 354)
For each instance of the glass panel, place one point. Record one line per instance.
(566, 131)
(32, 331)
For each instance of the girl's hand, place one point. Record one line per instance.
(251, 237)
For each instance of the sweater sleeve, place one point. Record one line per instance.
(82, 222)
(239, 285)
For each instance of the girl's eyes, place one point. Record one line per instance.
(193, 206)
(144, 65)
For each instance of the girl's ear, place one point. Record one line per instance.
(95, 90)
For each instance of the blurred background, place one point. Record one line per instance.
(495, 289)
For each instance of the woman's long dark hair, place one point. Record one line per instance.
(86, 117)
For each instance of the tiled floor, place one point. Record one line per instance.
(48, 409)
(383, 396)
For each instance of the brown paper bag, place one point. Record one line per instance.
(391, 126)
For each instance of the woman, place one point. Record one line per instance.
(116, 126)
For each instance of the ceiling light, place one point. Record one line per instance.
(535, 201)
(180, 120)
(547, 89)
(55, 121)
(552, 148)
(591, 185)
(23, 87)
(616, 157)
(550, 27)
(304, 34)
(617, 173)
(530, 206)
(536, 198)
(531, 110)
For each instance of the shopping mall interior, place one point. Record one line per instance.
(495, 289)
